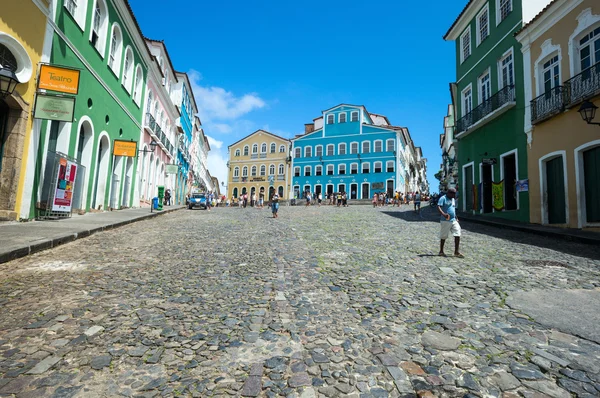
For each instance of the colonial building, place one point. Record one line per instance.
(258, 163)
(561, 51)
(448, 169)
(347, 149)
(491, 144)
(183, 97)
(24, 43)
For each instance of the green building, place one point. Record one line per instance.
(489, 135)
(102, 40)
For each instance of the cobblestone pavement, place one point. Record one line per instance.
(319, 302)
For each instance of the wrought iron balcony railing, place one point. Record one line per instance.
(159, 135)
(548, 104)
(582, 86)
(492, 104)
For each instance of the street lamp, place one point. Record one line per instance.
(153, 146)
(588, 112)
(8, 82)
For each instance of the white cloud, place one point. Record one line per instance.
(214, 144)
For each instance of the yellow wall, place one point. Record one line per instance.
(276, 158)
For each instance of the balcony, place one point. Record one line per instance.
(490, 109)
(254, 156)
(263, 155)
(280, 178)
(548, 104)
(583, 86)
(235, 179)
(159, 136)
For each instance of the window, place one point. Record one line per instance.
(342, 117)
(296, 171)
(366, 147)
(245, 171)
(318, 170)
(319, 150)
(255, 148)
(253, 172)
(365, 168)
(377, 167)
(246, 150)
(329, 169)
(505, 8)
(378, 146)
(237, 152)
(467, 101)
(99, 26)
(551, 74)
(341, 149)
(263, 148)
(485, 87)
(282, 149)
(330, 119)
(116, 48)
(263, 170)
(71, 6)
(354, 168)
(297, 152)
(354, 116)
(330, 149)
(342, 169)
(273, 147)
(353, 148)
(465, 45)
(507, 75)
(307, 171)
(236, 172)
(128, 69)
(390, 145)
(389, 166)
(483, 26)
(307, 151)
(138, 85)
(589, 49)
(272, 170)
(281, 169)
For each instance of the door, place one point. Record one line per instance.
(317, 190)
(555, 191)
(353, 190)
(510, 180)
(591, 176)
(486, 182)
(365, 191)
(468, 178)
(390, 188)
(329, 189)
(341, 187)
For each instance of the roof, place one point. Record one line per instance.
(383, 116)
(162, 43)
(528, 24)
(459, 17)
(137, 25)
(258, 131)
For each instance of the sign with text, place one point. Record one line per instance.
(60, 79)
(377, 185)
(65, 183)
(125, 148)
(491, 161)
(51, 107)
(172, 169)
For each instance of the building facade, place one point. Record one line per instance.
(561, 49)
(183, 98)
(259, 163)
(448, 176)
(491, 143)
(24, 43)
(347, 149)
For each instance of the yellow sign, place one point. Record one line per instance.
(59, 79)
(125, 148)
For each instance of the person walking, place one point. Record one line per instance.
(417, 203)
(320, 196)
(275, 204)
(449, 222)
(261, 199)
(307, 198)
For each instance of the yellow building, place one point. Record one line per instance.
(23, 41)
(561, 56)
(259, 163)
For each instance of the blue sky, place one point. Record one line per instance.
(276, 65)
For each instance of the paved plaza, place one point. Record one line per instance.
(321, 302)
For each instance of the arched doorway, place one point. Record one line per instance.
(102, 160)
(244, 191)
(142, 171)
(271, 192)
(85, 144)
(280, 192)
(365, 190)
(235, 192)
(127, 182)
(148, 184)
(353, 191)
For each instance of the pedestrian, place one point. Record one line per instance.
(345, 199)
(449, 222)
(375, 200)
(208, 199)
(320, 196)
(275, 204)
(307, 198)
(261, 199)
(339, 199)
(417, 203)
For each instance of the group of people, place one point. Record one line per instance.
(339, 199)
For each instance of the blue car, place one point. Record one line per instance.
(197, 200)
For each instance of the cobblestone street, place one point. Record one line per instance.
(334, 302)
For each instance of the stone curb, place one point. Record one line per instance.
(49, 243)
(563, 235)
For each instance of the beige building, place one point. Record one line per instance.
(259, 163)
(561, 48)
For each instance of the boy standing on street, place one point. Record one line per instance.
(449, 222)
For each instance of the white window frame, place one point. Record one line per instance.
(485, 10)
(539, 66)
(306, 150)
(318, 168)
(254, 148)
(480, 86)
(80, 13)
(246, 150)
(352, 116)
(362, 147)
(127, 78)
(309, 171)
(281, 169)
(340, 167)
(236, 171)
(508, 53)
(332, 147)
(380, 166)
(362, 168)
(461, 45)
(297, 171)
(138, 85)
(463, 98)
(102, 28)
(340, 145)
(331, 117)
(281, 148)
(245, 171)
(263, 146)
(393, 166)
(115, 51)
(387, 145)
(354, 164)
(237, 152)
(498, 16)
(330, 167)
(317, 147)
(273, 147)
(357, 148)
(263, 170)
(375, 146)
(297, 153)
(340, 117)
(253, 171)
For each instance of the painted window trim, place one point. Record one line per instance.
(253, 171)
(281, 147)
(297, 153)
(357, 167)
(357, 148)
(512, 8)
(340, 167)
(462, 97)
(127, 77)
(317, 169)
(309, 174)
(245, 171)
(461, 46)
(362, 147)
(464, 196)
(479, 40)
(340, 117)
(362, 168)
(393, 141)
(101, 43)
(80, 13)
(352, 114)
(297, 171)
(138, 85)
(332, 147)
(273, 147)
(332, 118)
(116, 67)
(580, 183)
(236, 172)
(586, 21)
(375, 145)
(380, 163)
(237, 153)
(264, 145)
(387, 163)
(508, 52)
(332, 167)
(488, 72)
(502, 156)
(542, 163)
(246, 150)
(254, 148)
(345, 148)
(306, 149)
(263, 170)
(280, 169)
(317, 147)
(549, 50)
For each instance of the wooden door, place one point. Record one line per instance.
(555, 191)
(591, 176)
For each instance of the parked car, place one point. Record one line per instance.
(197, 200)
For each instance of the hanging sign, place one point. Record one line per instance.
(522, 185)
(172, 169)
(125, 148)
(60, 79)
(51, 107)
(491, 161)
(65, 183)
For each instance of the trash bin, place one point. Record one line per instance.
(155, 203)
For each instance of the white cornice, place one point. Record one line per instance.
(465, 19)
(549, 18)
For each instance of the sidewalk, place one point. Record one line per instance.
(569, 234)
(21, 239)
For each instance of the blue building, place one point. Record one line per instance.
(348, 149)
(183, 97)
